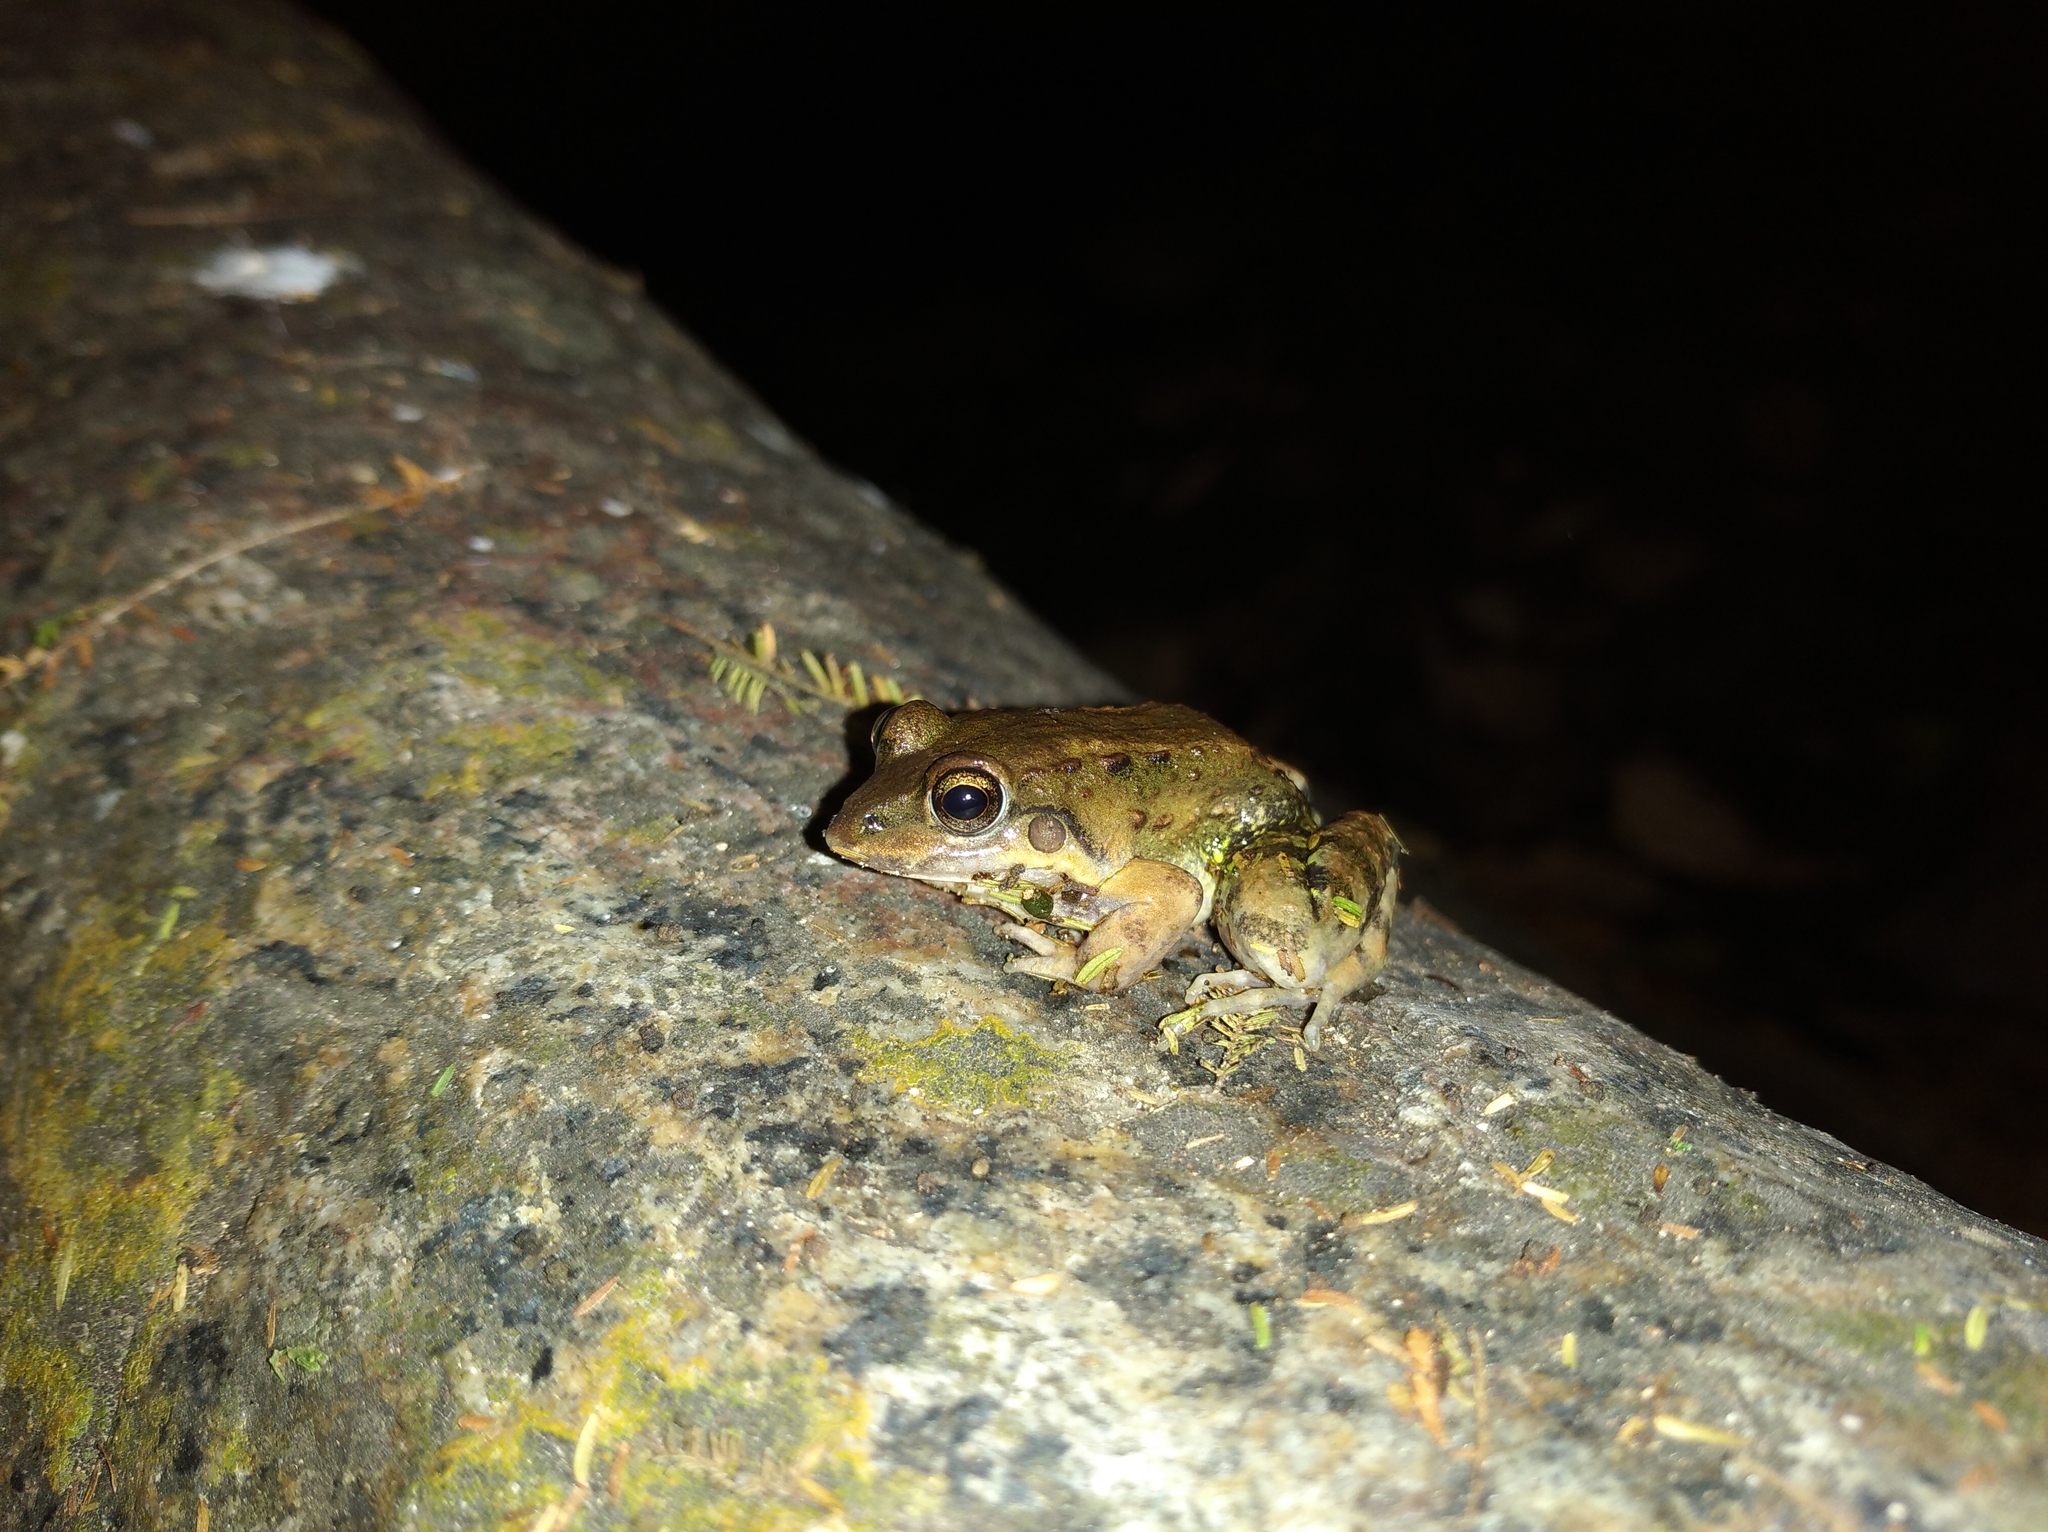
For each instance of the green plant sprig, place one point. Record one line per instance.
(750, 673)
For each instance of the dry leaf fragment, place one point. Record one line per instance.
(1326, 1297)
(1991, 1415)
(794, 1256)
(1679, 1429)
(1976, 1326)
(1679, 1230)
(586, 1448)
(1525, 1267)
(1937, 1380)
(1425, 1383)
(476, 1422)
(1392, 1214)
(820, 1494)
(597, 1296)
(824, 1177)
(562, 1511)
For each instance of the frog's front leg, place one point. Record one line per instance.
(1156, 903)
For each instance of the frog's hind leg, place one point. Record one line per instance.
(1244, 1001)
(1338, 986)
(1356, 858)
(1236, 993)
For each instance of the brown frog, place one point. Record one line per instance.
(1107, 834)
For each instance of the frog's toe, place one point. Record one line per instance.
(1037, 941)
(1052, 965)
(1245, 1002)
(1312, 1030)
(1229, 982)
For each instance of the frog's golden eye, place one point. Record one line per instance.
(967, 800)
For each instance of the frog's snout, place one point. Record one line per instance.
(842, 835)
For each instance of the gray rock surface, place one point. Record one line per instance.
(445, 1086)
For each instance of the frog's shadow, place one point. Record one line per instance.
(859, 726)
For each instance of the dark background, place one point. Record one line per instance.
(1609, 442)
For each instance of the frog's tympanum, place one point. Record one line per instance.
(1107, 834)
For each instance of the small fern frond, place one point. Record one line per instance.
(748, 673)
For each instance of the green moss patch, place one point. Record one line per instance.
(747, 1441)
(112, 1143)
(376, 725)
(979, 1068)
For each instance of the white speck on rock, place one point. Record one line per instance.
(408, 413)
(769, 433)
(444, 367)
(282, 274)
(613, 506)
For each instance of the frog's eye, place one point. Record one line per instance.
(967, 800)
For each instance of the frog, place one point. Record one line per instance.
(1107, 836)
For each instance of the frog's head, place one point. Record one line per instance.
(939, 804)
(1049, 792)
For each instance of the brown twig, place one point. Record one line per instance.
(418, 485)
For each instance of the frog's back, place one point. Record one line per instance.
(1192, 790)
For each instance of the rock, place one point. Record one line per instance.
(446, 1086)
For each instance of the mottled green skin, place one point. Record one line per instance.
(1157, 782)
(1133, 825)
